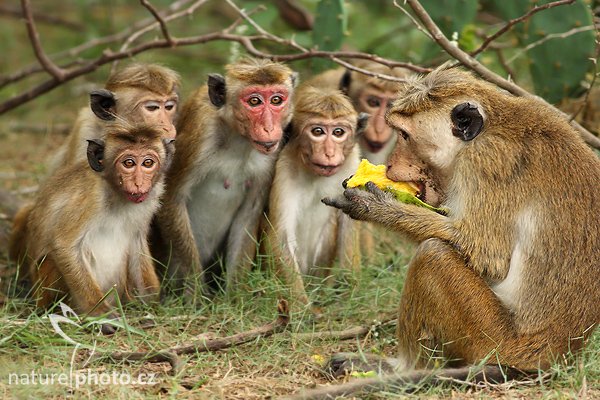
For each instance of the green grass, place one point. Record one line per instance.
(277, 365)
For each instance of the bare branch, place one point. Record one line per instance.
(594, 78)
(161, 21)
(57, 72)
(515, 21)
(551, 36)
(471, 63)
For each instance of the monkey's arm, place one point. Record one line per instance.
(176, 232)
(375, 205)
(286, 264)
(141, 276)
(242, 240)
(348, 243)
(84, 291)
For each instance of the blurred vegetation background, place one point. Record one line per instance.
(557, 68)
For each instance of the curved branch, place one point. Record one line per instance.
(161, 21)
(34, 37)
(471, 63)
(515, 21)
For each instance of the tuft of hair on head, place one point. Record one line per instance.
(322, 102)
(378, 83)
(135, 134)
(258, 71)
(153, 77)
(423, 92)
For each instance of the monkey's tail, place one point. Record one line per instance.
(17, 244)
(408, 382)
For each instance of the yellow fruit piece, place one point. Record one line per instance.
(376, 173)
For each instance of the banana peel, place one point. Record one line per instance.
(404, 192)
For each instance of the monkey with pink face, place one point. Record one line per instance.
(229, 135)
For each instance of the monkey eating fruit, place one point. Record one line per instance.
(406, 192)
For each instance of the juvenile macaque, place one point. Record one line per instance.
(86, 233)
(512, 271)
(230, 134)
(370, 95)
(139, 93)
(304, 236)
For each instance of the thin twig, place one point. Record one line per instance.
(161, 21)
(471, 63)
(57, 72)
(350, 333)
(515, 21)
(594, 78)
(551, 36)
(43, 18)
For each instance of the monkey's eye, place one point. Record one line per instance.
(276, 100)
(338, 132)
(169, 105)
(128, 163)
(404, 134)
(317, 131)
(374, 102)
(152, 105)
(254, 101)
(148, 163)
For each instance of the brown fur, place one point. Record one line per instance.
(68, 218)
(296, 183)
(512, 270)
(214, 149)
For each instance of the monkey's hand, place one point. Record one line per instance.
(362, 204)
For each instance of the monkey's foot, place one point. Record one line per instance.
(341, 364)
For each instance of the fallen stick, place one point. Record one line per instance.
(403, 382)
(170, 355)
(350, 333)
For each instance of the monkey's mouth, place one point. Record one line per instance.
(325, 170)
(373, 146)
(266, 147)
(422, 190)
(137, 197)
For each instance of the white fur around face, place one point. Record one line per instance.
(509, 290)
(113, 236)
(215, 200)
(305, 222)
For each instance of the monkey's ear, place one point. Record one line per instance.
(361, 122)
(95, 154)
(295, 79)
(216, 89)
(345, 82)
(170, 150)
(102, 103)
(467, 121)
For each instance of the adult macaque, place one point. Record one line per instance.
(86, 233)
(304, 236)
(370, 95)
(139, 93)
(230, 134)
(512, 271)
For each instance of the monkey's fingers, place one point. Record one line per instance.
(373, 188)
(338, 202)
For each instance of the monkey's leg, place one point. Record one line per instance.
(447, 307)
(449, 311)
(48, 284)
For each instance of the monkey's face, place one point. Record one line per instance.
(263, 112)
(325, 143)
(375, 102)
(429, 143)
(136, 170)
(141, 106)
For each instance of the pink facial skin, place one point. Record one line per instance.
(377, 133)
(264, 108)
(328, 142)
